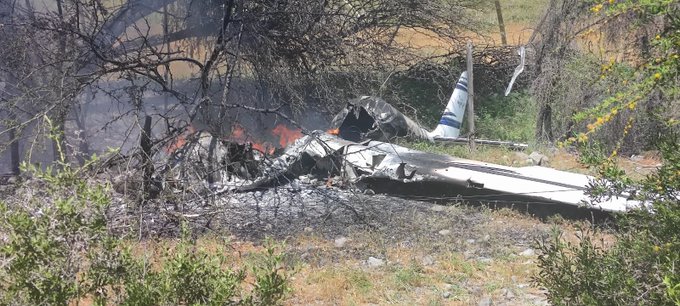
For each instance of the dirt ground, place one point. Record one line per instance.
(380, 250)
(411, 253)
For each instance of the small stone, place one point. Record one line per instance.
(308, 229)
(340, 242)
(508, 294)
(486, 301)
(305, 179)
(445, 232)
(521, 156)
(369, 192)
(470, 241)
(485, 259)
(438, 208)
(528, 252)
(294, 186)
(529, 162)
(522, 286)
(427, 260)
(538, 158)
(486, 238)
(375, 262)
(446, 294)
(447, 286)
(12, 180)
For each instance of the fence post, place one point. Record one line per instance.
(501, 24)
(471, 97)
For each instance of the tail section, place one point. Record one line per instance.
(452, 119)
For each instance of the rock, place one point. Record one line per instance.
(447, 286)
(486, 301)
(340, 242)
(445, 232)
(438, 208)
(308, 229)
(427, 260)
(486, 238)
(538, 158)
(12, 180)
(375, 262)
(485, 259)
(528, 252)
(522, 286)
(294, 186)
(305, 179)
(537, 300)
(507, 293)
(369, 192)
(470, 241)
(406, 244)
(446, 294)
(521, 156)
(529, 162)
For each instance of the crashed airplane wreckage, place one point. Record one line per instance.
(357, 151)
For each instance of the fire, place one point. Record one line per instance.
(334, 132)
(286, 135)
(239, 134)
(264, 147)
(180, 141)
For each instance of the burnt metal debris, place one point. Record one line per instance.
(372, 118)
(386, 168)
(359, 153)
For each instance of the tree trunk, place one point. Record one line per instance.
(544, 124)
(501, 24)
(147, 164)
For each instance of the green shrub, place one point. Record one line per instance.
(56, 250)
(641, 267)
(511, 118)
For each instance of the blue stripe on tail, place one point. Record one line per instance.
(450, 122)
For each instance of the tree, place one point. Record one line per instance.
(640, 267)
(292, 52)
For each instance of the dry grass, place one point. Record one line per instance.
(477, 260)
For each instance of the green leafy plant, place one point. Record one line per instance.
(640, 267)
(56, 249)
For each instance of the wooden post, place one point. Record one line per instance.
(14, 151)
(147, 164)
(501, 24)
(471, 97)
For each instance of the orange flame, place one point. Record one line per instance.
(266, 147)
(238, 134)
(286, 135)
(334, 132)
(180, 140)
